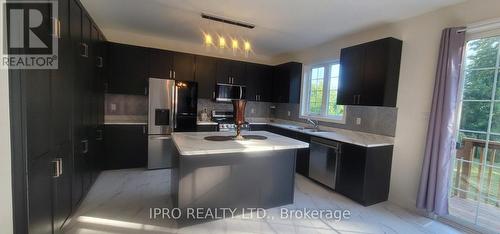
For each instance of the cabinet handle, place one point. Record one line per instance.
(144, 129)
(359, 98)
(56, 27)
(85, 50)
(99, 135)
(100, 62)
(60, 166)
(213, 95)
(145, 91)
(55, 173)
(174, 74)
(85, 146)
(354, 96)
(170, 74)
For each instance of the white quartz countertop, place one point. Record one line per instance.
(193, 143)
(343, 135)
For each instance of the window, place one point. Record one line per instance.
(320, 93)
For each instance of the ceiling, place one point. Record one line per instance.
(281, 25)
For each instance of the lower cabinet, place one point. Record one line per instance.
(364, 173)
(302, 163)
(125, 146)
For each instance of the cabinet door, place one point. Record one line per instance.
(125, 146)
(40, 195)
(266, 84)
(62, 187)
(206, 68)
(351, 171)
(78, 84)
(375, 70)
(253, 81)
(160, 64)
(294, 71)
(88, 71)
(237, 72)
(381, 73)
(183, 66)
(351, 75)
(281, 84)
(128, 72)
(223, 73)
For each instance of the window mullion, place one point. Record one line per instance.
(326, 85)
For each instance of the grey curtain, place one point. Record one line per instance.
(433, 190)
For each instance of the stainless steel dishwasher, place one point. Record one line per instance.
(324, 158)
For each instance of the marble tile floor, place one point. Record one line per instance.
(120, 202)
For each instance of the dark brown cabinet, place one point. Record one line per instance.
(364, 173)
(128, 70)
(166, 64)
(160, 64)
(369, 73)
(286, 83)
(230, 72)
(205, 71)
(58, 113)
(183, 68)
(258, 82)
(125, 146)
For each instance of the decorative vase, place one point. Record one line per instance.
(239, 116)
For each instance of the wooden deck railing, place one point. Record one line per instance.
(464, 164)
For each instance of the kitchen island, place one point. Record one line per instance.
(233, 174)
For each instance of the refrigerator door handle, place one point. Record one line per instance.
(176, 96)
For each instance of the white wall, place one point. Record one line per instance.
(6, 225)
(421, 37)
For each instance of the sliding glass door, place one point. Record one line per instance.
(475, 185)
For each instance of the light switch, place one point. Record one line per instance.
(113, 107)
(358, 121)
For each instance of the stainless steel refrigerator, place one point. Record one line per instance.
(172, 108)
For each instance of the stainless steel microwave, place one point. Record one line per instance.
(229, 92)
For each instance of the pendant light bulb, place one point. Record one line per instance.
(234, 44)
(208, 40)
(222, 42)
(247, 46)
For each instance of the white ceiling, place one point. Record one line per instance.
(281, 25)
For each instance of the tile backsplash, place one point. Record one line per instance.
(253, 109)
(118, 104)
(377, 120)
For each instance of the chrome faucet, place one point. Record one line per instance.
(314, 123)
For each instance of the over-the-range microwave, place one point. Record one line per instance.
(229, 92)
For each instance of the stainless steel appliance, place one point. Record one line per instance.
(229, 92)
(324, 158)
(172, 107)
(225, 120)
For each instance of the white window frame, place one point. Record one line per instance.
(306, 91)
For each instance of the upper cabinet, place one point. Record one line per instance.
(205, 70)
(369, 73)
(165, 64)
(230, 72)
(127, 70)
(286, 83)
(258, 81)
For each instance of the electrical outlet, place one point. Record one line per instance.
(252, 111)
(358, 121)
(113, 107)
(289, 113)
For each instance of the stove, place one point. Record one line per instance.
(225, 120)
